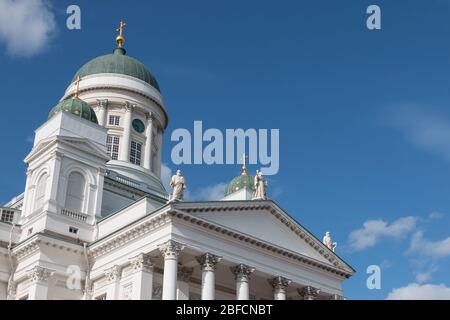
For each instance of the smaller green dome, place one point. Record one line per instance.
(76, 107)
(244, 180)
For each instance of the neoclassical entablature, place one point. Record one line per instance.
(273, 208)
(33, 245)
(172, 213)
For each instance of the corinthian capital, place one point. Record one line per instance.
(279, 283)
(39, 274)
(208, 261)
(113, 274)
(102, 103)
(129, 107)
(142, 262)
(242, 272)
(308, 292)
(170, 249)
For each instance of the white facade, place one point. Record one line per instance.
(94, 222)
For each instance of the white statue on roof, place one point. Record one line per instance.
(328, 242)
(260, 185)
(178, 184)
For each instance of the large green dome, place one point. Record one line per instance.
(76, 107)
(118, 62)
(242, 181)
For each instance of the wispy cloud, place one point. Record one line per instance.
(30, 139)
(211, 193)
(416, 291)
(425, 129)
(433, 249)
(436, 215)
(26, 26)
(424, 276)
(373, 231)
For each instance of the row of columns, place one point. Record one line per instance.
(208, 263)
(173, 279)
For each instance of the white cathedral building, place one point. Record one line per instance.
(94, 220)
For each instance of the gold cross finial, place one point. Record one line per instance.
(244, 167)
(77, 90)
(120, 39)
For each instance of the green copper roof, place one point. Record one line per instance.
(240, 182)
(118, 62)
(77, 107)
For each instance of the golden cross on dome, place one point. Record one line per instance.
(244, 167)
(77, 90)
(120, 39)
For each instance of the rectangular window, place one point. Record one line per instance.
(114, 120)
(73, 230)
(112, 146)
(7, 216)
(135, 152)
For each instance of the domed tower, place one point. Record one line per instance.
(127, 101)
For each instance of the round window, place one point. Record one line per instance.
(138, 125)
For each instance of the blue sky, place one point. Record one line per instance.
(364, 116)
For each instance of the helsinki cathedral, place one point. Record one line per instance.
(95, 222)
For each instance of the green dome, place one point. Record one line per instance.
(77, 107)
(244, 180)
(117, 62)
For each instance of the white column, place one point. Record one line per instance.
(308, 293)
(142, 277)
(113, 276)
(3, 290)
(11, 290)
(184, 276)
(208, 263)
(336, 297)
(39, 277)
(28, 196)
(279, 285)
(124, 152)
(170, 251)
(159, 135)
(148, 142)
(242, 274)
(102, 108)
(52, 191)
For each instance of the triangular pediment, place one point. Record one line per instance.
(268, 223)
(81, 144)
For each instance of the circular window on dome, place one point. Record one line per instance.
(138, 125)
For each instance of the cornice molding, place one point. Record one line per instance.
(278, 213)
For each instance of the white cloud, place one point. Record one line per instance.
(373, 231)
(428, 131)
(211, 193)
(416, 291)
(435, 215)
(425, 247)
(26, 26)
(425, 276)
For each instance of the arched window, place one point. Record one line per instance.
(75, 192)
(39, 197)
